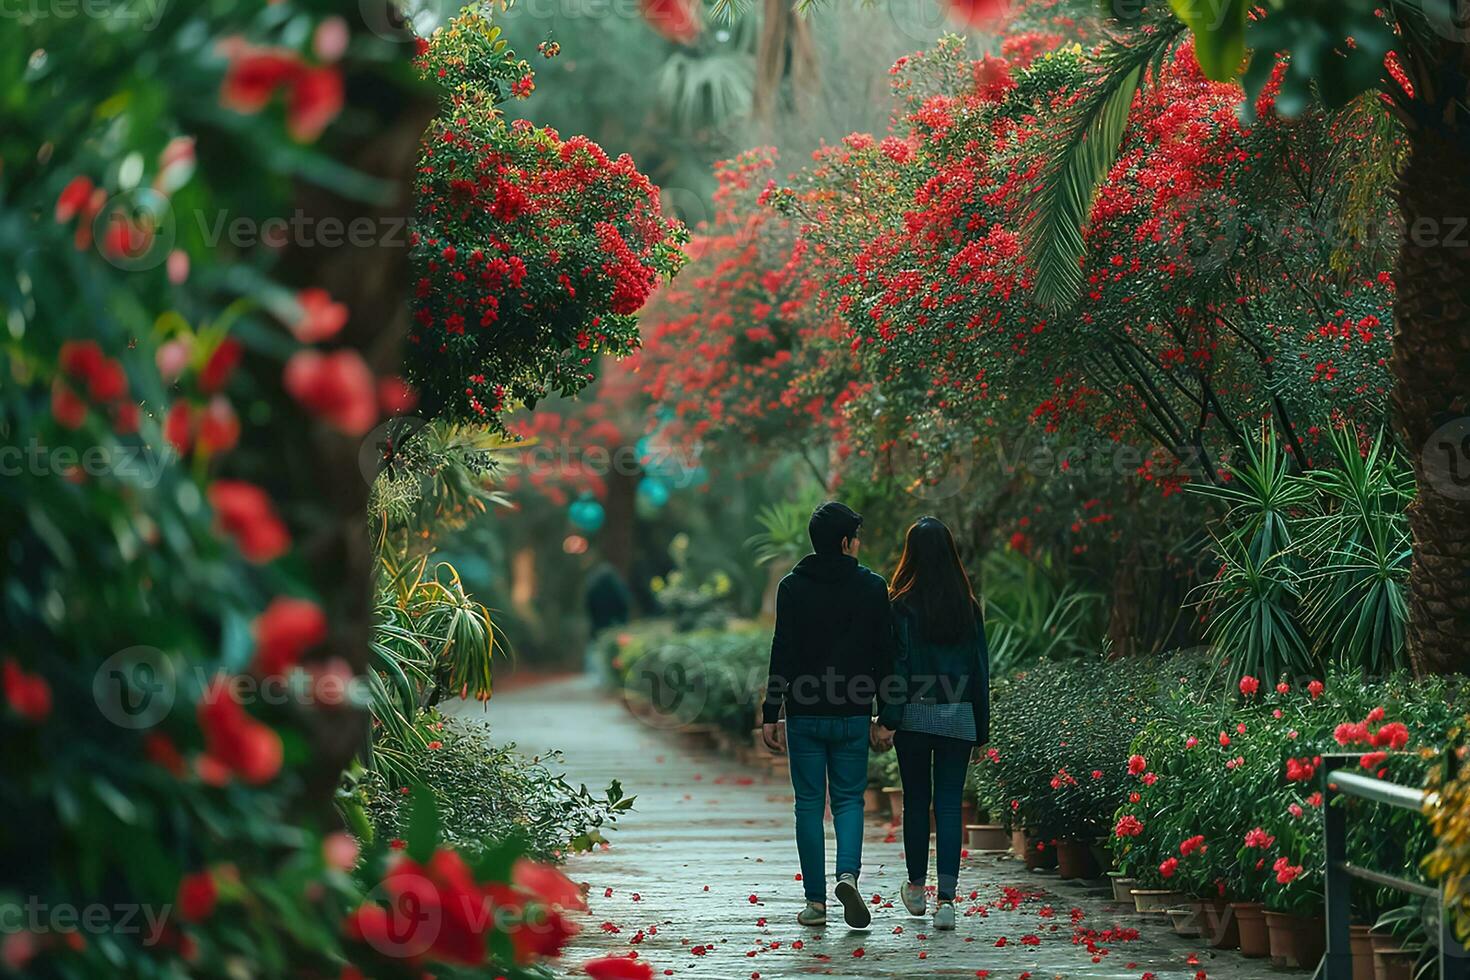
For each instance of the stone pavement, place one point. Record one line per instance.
(701, 878)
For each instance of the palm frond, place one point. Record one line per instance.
(1092, 131)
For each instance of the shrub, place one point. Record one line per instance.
(487, 793)
(1057, 761)
(707, 677)
(1226, 792)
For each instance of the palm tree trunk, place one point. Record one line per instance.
(1431, 367)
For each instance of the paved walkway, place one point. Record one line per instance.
(700, 879)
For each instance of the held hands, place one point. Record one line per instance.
(775, 738)
(880, 738)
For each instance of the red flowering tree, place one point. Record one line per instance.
(747, 345)
(532, 253)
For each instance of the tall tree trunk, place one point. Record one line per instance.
(786, 48)
(1431, 367)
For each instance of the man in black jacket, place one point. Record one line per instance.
(831, 652)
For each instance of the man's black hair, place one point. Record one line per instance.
(830, 524)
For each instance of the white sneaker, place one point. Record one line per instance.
(944, 916)
(854, 910)
(913, 898)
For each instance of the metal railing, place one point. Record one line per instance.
(1339, 779)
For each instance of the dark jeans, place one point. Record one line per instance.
(828, 756)
(933, 770)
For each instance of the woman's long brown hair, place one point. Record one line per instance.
(931, 581)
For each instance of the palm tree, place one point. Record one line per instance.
(1415, 59)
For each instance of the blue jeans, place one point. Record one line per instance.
(933, 770)
(829, 756)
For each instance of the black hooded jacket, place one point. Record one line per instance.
(833, 645)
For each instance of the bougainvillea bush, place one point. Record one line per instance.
(531, 253)
(1226, 792)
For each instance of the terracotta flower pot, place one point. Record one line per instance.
(1018, 844)
(872, 800)
(1040, 855)
(1122, 886)
(1394, 964)
(895, 802)
(1074, 859)
(987, 837)
(1251, 918)
(1309, 936)
(1279, 938)
(967, 813)
(1361, 944)
(1154, 900)
(1186, 920)
(1222, 929)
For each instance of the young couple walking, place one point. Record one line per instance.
(858, 663)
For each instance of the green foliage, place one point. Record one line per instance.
(783, 539)
(708, 677)
(1312, 565)
(1057, 762)
(486, 793)
(1034, 612)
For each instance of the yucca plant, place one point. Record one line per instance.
(1314, 565)
(782, 538)
(1360, 550)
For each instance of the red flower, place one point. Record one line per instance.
(1168, 867)
(618, 968)
(1283, 688)
(234, 742)
(677, 20)
(1137, 764)
(245, 513)
(284, 631)
(1128, 826)
(197, 896)
(1249, 685)
(548, 884)
(73, 198)
(1285, 870)
(1259, 838)
(221, 364)
(178, 427)
(254, 75)
(978, 13)
(67, 408)
(1394, 735)
(337, 386)
(1315, 689)
(1192, 844)
(28, 694)
(219, 427)
(1300, 770)
(321, 317)
(315, 100)
(1224, 739)
(396, 396)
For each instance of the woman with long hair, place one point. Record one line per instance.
(937, 708)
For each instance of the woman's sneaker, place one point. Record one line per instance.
(854, 910)
(944, 916)
(913, 898)
(815, 914)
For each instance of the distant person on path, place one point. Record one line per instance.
(831, 651)
(609, 604)
(939, 712)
